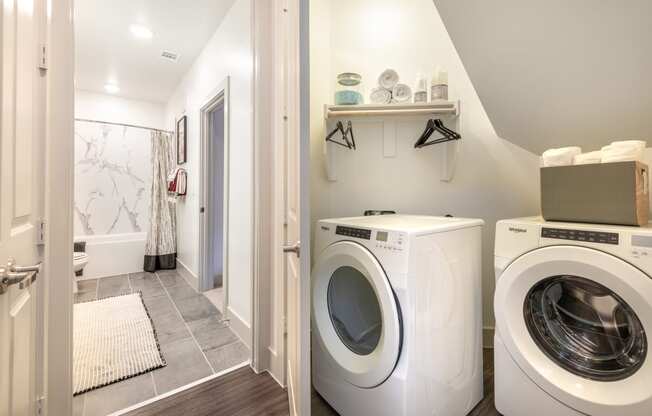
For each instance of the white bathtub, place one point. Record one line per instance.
(113, 254)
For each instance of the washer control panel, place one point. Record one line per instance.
(641, 246)
(581, 235)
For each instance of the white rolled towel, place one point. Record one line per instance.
(624, 151)
(388, 79)
(639, 144)
(401, 93)
(563, 156)
(588, 158)
(380, 95)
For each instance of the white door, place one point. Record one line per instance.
(578, 322)
(21, 150)
(357, 320)
(296, 265)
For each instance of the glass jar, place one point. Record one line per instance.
(348, 89)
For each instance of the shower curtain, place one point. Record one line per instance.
(161, 247)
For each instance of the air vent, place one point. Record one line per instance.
(170, 56)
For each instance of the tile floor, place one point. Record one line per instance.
(194, 340)
(216, 296)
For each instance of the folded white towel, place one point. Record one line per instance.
(622, 153)
(380, 95)
(640, 144)
(401, 93)
(388, 79)
(588, 158)
(560, 157)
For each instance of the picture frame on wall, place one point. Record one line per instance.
(182, 125)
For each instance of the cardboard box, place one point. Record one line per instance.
(602, 193)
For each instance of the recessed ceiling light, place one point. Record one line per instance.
(140, 31)
(111, 88)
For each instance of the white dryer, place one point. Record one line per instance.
(396, 322)
(573, 308)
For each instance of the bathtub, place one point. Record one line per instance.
(113, 254)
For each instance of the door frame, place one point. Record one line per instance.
(269, 300)
(267, 350)
(57, 270)
(219, 96)
(59, 192)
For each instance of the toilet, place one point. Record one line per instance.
(79, 261)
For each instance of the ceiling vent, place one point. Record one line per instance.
(170, 56)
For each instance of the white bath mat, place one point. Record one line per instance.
(114, 339)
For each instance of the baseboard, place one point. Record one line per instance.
(276, 366)
(241, 328)
(187, 274)
(488, 336)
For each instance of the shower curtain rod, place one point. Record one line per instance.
(122, 124)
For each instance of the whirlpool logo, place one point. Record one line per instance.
(324, 228)
(517, 230)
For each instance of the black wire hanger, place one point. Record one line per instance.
(347, 135)
(432, 126)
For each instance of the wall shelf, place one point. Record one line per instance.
(443, 107)
(387, 114)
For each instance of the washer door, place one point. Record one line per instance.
(355, 314)
(577, 321)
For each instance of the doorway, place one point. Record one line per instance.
(213, 278)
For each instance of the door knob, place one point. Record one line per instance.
(11, 265)
(296, 249)
(17, 275)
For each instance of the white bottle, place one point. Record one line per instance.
(439, 85)
(421, 89)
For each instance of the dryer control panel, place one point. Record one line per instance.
(391, 241)
(353, 232)
(388, 240)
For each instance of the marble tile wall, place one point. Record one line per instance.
(112, 179)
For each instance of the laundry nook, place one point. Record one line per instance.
(326, 208)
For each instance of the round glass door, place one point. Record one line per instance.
(576, 322)
(585, 328)
(356, 318)
(354, 310)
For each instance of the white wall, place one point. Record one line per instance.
(103, 107)
(228, 53)
(113, 177)
(113, 180)
(494, 179)
(113, 200)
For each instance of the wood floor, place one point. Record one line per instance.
(244, 393)
(484, 408)
(240, 393)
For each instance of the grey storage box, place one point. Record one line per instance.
(602, 193)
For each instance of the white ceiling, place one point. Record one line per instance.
(106, 51)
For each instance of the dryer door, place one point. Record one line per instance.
(578, 321)
(355, 314)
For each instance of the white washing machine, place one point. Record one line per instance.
(573, 308)
(396, 323)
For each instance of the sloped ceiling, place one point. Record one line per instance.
(553, 73)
